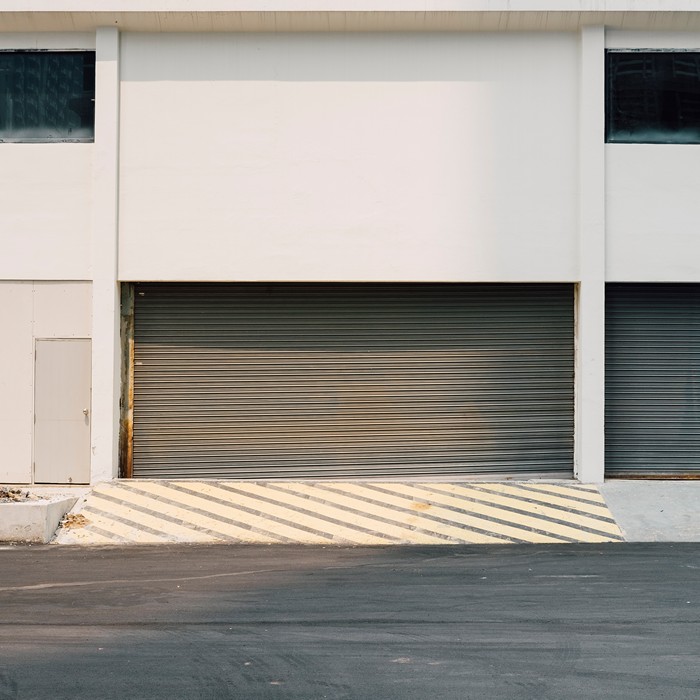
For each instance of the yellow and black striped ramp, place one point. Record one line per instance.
(347, 513)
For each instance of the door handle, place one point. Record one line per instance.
(85, 411)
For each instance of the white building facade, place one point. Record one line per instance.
(358, 240)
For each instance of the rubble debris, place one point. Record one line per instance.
(9, 495)
(72, 521)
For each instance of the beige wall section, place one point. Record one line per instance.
(620, 39)
(62, 310)
(653, 206)
(45, 210)
(652, 213)
(349, 157)
(30, 310)
(45, 192)
(16, 382)
(47, 40)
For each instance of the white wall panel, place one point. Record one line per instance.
(28, 311)
(45, 195)
(348, 157)
(58, 41)
(621, 39)
(16, 381)
(653, 209)
(62, 309)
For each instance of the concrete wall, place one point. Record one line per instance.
(45, 210)
(30, 310)
(653, 205)
(652, 201)
(348, 157)
(45, 193)
(417, 157)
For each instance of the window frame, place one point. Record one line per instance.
(669, 140)
(51, 139)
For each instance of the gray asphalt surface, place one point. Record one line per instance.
(180, 622)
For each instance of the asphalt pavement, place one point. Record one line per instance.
(375, 623)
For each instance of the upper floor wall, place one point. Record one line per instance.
(652, 200)
(421, 156)
(45, 193)
(348, 157)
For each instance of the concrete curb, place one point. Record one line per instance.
(33, 521)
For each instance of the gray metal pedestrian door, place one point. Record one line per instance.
(62, 395)
(352, 380)
(652, 384)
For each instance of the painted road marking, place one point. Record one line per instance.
(555, 518)
(334, 512)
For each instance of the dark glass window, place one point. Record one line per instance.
(47, 95)
(652, 97)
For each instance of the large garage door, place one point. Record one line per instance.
(652, 397)
(352, 380)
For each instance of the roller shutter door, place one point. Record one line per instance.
(352, 380)
(652, 397)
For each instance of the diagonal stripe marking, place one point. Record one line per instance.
(380, 508)
(167, 522)
(225, 521)
(565, 492)
(119, 512)
(547, 498)
(544, 512)
(295, 511)
(89, 534)
(291, 530)
(556, 522)
(467, 533)
(464, 510)
(489, 517)
(305, 498)
(556, 502)
(130, 530)
(404, 532)
(334, 520)
(99, 536)
(534, 519)
(124, 501)
(216, 514)
(183, 509)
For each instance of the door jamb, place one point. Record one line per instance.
(126, 400)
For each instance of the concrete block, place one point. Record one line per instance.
(655, 510)
(33, 521)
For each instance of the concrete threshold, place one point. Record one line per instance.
(340, 513)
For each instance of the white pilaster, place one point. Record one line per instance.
(590, 356)
(105, 297)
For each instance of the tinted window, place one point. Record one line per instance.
(653, 97)
(47, 95)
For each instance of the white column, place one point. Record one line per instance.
(105, 297)
(590, 356)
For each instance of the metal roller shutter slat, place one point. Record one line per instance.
(652, 394)
(341, 380)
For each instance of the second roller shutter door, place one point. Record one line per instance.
(652, 380)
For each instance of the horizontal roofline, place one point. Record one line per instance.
(369, 6)
(346, 15)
